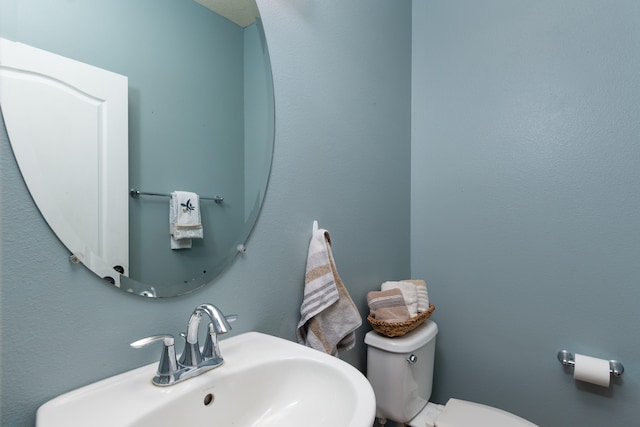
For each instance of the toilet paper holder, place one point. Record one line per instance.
(567, 359)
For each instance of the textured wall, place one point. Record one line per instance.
(525, 202)
(342, 89)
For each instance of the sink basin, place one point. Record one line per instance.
(265, 381)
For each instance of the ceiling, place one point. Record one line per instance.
(242, 12)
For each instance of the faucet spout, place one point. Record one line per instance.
(191, 356)
(220, 323)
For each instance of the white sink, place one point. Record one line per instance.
(265, 381)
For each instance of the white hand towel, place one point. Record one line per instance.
(329, 317)
(173, 214)
(423, 294)
(409, 292)
(184, 219)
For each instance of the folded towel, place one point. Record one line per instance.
(328, 316)
(409, 292)
(184, 219)
(423, 294)
(173, 214)
(388, 306)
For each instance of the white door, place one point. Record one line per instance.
(68, 126)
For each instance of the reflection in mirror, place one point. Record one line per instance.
(200, 119)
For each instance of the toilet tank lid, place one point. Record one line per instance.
(461, 413)
(406, 343)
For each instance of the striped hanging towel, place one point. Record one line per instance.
(328, 316)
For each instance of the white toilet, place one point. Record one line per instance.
(400, 371)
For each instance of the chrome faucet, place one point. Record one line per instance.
(193, 361)
(191, 356)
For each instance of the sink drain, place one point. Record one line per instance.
(208, 399)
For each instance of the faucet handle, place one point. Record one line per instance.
(168, 366)
(143, 342)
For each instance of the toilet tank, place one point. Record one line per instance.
(400, 371)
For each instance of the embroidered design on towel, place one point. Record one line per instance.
(188, 207)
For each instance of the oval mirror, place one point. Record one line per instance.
(200, 112)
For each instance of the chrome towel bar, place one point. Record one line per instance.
(135, 193)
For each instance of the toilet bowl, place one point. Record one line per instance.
(400, 371)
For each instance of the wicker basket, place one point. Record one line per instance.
(398, 329)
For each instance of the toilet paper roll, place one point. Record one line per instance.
(591, 370)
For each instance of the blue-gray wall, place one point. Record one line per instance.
(526, 199)
(342, 154)
(524, 204)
